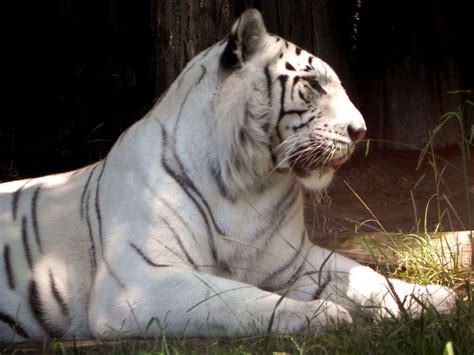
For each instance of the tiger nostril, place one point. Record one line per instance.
(356, 134)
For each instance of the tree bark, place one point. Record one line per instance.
(181, 29)
(408, 57)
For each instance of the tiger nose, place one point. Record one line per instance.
(356, 133)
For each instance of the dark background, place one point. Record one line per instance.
(79, 72)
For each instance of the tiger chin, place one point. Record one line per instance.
(195, 217)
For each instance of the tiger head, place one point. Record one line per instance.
(279, 108)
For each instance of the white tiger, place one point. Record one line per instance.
(193, 224)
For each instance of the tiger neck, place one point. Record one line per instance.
(254, 211)
(152, 148)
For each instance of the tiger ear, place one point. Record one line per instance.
(246, 38)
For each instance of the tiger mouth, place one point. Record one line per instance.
(303, 167)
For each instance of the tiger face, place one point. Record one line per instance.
(309, 124)
(316, 125)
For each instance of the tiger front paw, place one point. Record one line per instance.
(326, 315)
(416, 298)
(441, 298)
(313, 316)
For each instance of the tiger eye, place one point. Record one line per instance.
(314, 83)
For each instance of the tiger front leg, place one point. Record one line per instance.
(188, 303)
(328, 275)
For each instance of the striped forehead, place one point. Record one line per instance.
(295, 59)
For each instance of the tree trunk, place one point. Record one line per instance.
(409, 55)
(181, 29)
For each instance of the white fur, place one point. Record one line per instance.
(159, 242)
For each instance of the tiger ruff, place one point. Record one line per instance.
(193, 223)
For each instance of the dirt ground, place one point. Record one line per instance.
(396, 192)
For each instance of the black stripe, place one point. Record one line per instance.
(178, 119)
(99, 222)
(37, 310)
(91, 236)
(302, 97)
(13, 323)
(8, 266)
(288, 66)
(281, 215)
(293, 278)
(183, 74)
(295, 81)
(26, 245)
(266, 128)
(284, 203)
(97, 204)
(297, 274)
(144, 257)
(112, 273)
(204, 71)
(171, 250)
(295, 128)
(178, 216)
(283, 209)
(322, 287)
(295, 112)
(275, 211)
(183, 181)
(315, 84)
(180, 243)
(34, 217)
(206, 205)
(206, 52)
(76, 172)
(84, 191)
(243, 134)
(16, 198)
(186, 71)
(216, 173)
(283, 80)
(274, 158)
(57, 296)
(269, 85)
(290, 262)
